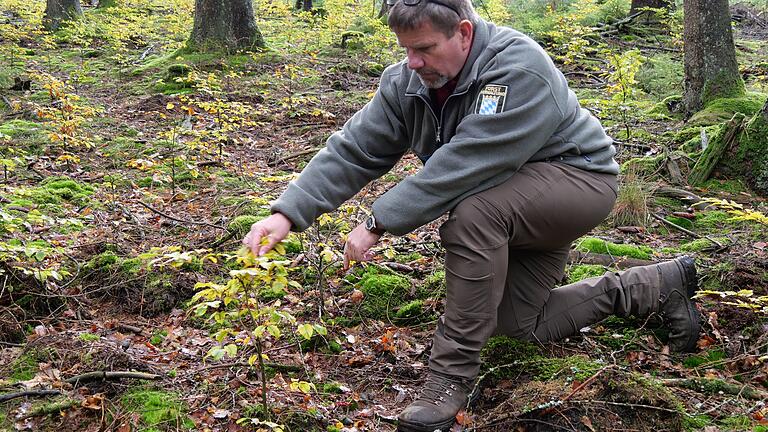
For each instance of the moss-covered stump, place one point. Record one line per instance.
(740, 151)
(722, 110)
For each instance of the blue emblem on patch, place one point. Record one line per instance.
(491, 99)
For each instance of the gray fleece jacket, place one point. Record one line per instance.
(511, 106)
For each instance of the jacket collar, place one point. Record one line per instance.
(468, 72)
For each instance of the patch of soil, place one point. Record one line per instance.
(752, 22)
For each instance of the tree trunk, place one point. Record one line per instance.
(225, 24)
(711, 71)
(58, 11)
(305, 5)
(657, 4)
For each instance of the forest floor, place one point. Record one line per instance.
(128, 181)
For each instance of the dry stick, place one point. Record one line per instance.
(102, 375)
(690, 233)
(625, 404)
(36, 393)
(149, 207)
(294, 155)
(587, 382)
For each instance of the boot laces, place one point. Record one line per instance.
(439, 389)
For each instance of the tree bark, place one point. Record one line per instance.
(225, 24)
(657, 4)
(58, 11)
(711, 71)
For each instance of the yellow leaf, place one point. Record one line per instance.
(170, 106)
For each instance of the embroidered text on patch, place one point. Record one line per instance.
(491, 99)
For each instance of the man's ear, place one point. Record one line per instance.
(466, 31)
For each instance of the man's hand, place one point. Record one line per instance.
(274, 228)
(359, 244)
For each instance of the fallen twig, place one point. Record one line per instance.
(35, 393)
(165, 215)
(294, 155)
(108, 376)
(621, 262)
(689, 232)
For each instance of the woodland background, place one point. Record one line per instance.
(140, 139)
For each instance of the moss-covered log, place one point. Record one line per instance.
(716, 149)
(739, 151)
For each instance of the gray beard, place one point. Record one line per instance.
(443, 80)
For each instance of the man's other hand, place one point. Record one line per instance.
(274, 228)
(359, 244)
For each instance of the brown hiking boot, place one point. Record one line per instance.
(679, 283)
(439, 402)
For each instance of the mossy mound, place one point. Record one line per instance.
(721, 110)
(505, 357)
(596, 245)
(19, 128)
(647, 166)
(383, 294)
(156, 408)
(584, 271)
(242, 224)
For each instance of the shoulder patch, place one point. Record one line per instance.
(491, 99)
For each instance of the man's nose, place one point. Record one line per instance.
(415, 61)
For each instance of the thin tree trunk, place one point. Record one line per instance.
(711, 71)
(58, 11)
(656, 4)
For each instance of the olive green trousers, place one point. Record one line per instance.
(506, 249)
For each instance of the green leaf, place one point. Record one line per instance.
(231, 350)
(217, 353)
(306, 331)
(274, 331)
(40, 255)
(320, 329)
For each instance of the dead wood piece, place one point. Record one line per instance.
(108, 376)
(129, 328)
(675, 175)
(715, 150)
(52, 408)
(34, 393)
(676, 193)
(398, 267)
(578, 257)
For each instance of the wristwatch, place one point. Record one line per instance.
(370, 225)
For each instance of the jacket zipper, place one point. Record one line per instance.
(439, 121)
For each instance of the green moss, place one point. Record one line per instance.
(729, 186)
(709, 359)
(156, 408)
(132, 265)
(25, 367)
(242, 224)
(413, 313)
(643, 166)
(753, 153)
(702, 244)
(406, 258)
(383, 293)
(661, 75)
(158, 336)
(55, 190)
(577, 367)
(736, 423)
(580, 272)
(681, 222)
(721, 110)
(433, 286)
(696, 422)
(19, 128)
(505, 357)
(104, 260)
(332, 387)
(88, 337)
(595, 245)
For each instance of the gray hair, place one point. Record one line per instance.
(442, 18)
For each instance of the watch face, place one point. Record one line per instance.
(370, 223)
